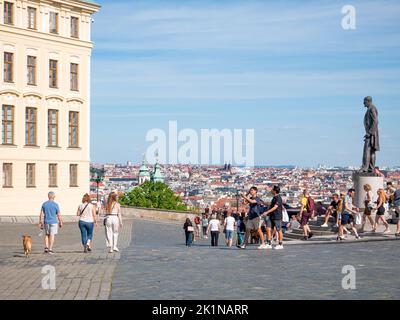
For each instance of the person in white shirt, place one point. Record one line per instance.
(214, 228)
(87, 221)
(113, 222)
(229, 227)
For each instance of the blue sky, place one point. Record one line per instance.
(286, 69)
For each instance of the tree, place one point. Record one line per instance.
(153, 195)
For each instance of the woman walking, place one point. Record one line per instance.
(204, 223)
(113, 222)
(188, 227)
(214, 227)
(380, 213)
(368, 204)
(87, 221)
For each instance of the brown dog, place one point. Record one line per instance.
(27, 242)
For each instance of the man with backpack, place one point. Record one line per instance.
(306, 212)
(254, 217)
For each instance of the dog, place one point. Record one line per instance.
(27, 243)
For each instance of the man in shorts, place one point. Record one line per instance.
(275, 218)
(349, 210)
(254, 219)
(332, 210)
(50, 220)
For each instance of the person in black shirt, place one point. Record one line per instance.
(332, 209)
(188, 227)
(275, 215)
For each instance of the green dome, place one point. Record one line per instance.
(157, 175)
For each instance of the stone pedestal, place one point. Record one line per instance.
(359, 180)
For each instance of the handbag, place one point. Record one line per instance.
(190, 229)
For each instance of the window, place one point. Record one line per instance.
(74, 76)
(31, 18)
(74, 27)
(30, 175)
(73, 175)
(53, 22)
(53, 66)
(73, 129)
(8, 13)
(7, 175)
(8, 66)
(7, 117)
(52, 175)
(31, 70)
(53, 128)
(31, 123)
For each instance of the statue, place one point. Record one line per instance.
(371, 139)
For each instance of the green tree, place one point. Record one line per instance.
(153, 195)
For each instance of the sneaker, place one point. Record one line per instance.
(85, 249)
(310, 235)
(325, 225)
(116, 249)
(110, 251)
(278, 247)
(242, 246)
(46, 250)
(268, 246)
(358, 237)
(262, 246)
(89, 249)
(51, 252)
(336, 225)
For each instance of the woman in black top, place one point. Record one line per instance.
(188, 227)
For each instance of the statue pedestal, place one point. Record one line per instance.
(359, 180)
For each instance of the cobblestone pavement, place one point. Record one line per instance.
(157, 265)
(78, 275)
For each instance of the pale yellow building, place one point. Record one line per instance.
(45, 52)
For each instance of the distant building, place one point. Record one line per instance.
(157, 175)
(144, 173)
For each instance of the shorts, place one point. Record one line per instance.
(367, 210)
(381, 211)
(229, 234)
(347, 218)
(277, 224)
(304, 218)
(397, 210)
(51, 229)
(254, 224)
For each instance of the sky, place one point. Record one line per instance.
(286, 69)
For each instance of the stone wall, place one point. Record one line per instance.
(156, 214)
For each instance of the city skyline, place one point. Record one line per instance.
(288, 71)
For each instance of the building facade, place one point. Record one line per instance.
(45, 53)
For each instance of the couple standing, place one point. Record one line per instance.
(272, 218)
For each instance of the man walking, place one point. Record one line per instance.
(254, 219)
(50, 220)
(275, 218)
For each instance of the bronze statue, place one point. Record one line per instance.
(371, 139)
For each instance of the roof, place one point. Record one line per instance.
(90, 1)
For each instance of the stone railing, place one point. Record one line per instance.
(156, 214)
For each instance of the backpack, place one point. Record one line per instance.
(197, 220)
(310, 205)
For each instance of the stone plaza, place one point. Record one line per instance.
(154, 263)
